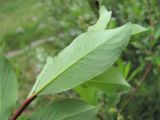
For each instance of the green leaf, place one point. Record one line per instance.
(103, 20)
(88, 56)
(88, 94)
(112, 99)
(8, 88)
(127, 69)
(138, 29)
(110, 81)
(69, 109)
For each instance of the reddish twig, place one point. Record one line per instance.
(146, 72)
(24, 105)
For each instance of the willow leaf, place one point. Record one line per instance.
(89, 55)
(110, 81)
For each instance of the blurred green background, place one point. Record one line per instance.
(32, 30)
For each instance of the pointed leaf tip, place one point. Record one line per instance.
(103, 20)
(136, 29)
(110, 81)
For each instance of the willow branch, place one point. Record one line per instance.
(21, 109)
(145, 75)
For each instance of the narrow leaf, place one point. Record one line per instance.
(103, 20)
(88, 56)
(110, 81)
(8, 88)
(138, 29)
(69, 109)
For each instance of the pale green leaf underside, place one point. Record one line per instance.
(138, 29)
(89, 55)
(110, 81)
(69, 109)
(8, 88)
(103, 20)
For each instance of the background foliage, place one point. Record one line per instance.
(34, 29)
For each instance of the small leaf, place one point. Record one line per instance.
(110, 81)
(103, 20)
(88, 56)
(8, 88)
(138, 29)
(69, 109)
(127, 69)
(88, 94)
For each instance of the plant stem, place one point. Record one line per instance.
(145, 75)
(24, 105)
